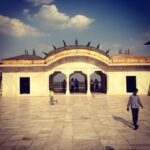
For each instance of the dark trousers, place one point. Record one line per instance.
(135, 112)
(72, 88)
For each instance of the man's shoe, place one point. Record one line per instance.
(136, 127)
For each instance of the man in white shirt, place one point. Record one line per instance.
(134, 103)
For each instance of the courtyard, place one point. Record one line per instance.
(76, 122)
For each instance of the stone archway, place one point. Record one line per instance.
(98, 82)
(103, 88)
(57, 82)
(78, 82)
(95, 82)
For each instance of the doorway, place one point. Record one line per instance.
(130, 83)
(24, 85)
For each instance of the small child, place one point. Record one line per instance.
(52, 100)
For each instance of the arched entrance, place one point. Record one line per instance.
(57, 82)
(78, 82)
(98, 82)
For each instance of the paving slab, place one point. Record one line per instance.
(76, 122)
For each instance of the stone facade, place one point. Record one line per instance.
(67, 61)
(117, 82)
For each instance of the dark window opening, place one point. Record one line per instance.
(24, 85)
(130, 83)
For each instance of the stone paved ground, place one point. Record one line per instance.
(77, 122)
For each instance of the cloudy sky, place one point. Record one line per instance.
(39, 24)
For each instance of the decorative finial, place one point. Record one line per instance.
(107, 51)
(76, 42)
(64, 43)
(98, 46)
(128, 51)
(120, 51)
(34, 52)
(54, 47)
(88, 44)
(45, 53)
(25, 52)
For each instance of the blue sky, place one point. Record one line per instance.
(39, 24)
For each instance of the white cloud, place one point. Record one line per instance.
(79, 21)
(40, 2)
(49, 16)
(16, 28)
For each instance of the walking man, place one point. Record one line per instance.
(134, 102)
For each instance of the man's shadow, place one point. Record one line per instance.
(120, 119)
(109, 148)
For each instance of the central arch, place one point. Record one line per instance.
(80, 64)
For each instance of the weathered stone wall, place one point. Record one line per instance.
(39, 75)
(38, 84)
(117, 82)
(70, 67)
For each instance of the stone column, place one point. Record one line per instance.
(88, 85)
(67, 84)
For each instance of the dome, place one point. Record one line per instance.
(25, 57)
(129, 58)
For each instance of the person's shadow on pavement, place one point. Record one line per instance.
(109, 148)
(122, 120)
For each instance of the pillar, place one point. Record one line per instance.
(67, 85)
(88, 85)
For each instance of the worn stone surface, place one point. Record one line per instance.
(76, 122)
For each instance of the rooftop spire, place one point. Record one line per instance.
(98, 46)
(120, 51)
(25, 52)
(34, 52)
(76, 42)
(45, 53)
(107, 51)
(88, 44)
(54, 47)
(64, 43)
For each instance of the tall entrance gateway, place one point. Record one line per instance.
(75, 69)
